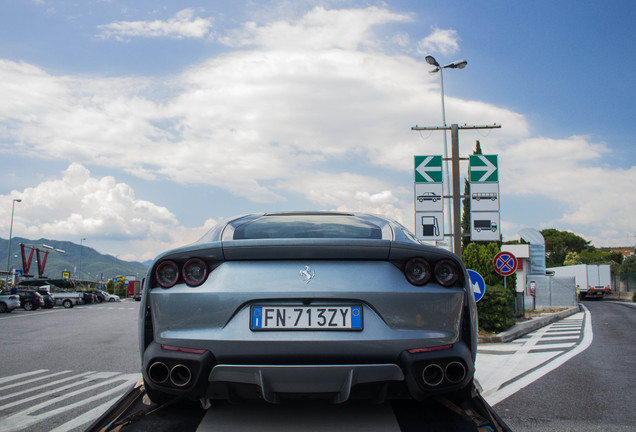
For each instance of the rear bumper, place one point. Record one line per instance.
(416, 375)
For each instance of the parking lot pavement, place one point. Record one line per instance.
(503, 368)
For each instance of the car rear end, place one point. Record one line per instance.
(9, 302)
(308, 317)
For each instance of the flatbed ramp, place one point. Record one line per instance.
(134, 413)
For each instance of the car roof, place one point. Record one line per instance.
(322, 224)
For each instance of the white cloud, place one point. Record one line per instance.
(183, 25)
(598, 199)
(318, 29)
(440, 41)
(312, 107)
(77, 204)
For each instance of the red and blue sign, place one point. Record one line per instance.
(505, 263)
(478, 284)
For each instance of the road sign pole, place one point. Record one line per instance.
(457, 218)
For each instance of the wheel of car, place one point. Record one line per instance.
(3, 308)
(67, 304)
(112, 300)
(28, 306)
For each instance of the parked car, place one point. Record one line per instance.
(88, 298)
(320, 305)
(49, 301)
(8, 302)
(30, 299)
(110, 297)
(67, 299)
(99, 295)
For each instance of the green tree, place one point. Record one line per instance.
(592, 255)
(628, 265)
(109, 286)
(572, 258)
(559, 243)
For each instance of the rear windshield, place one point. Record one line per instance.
(307, 226)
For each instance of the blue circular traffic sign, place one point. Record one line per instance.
(505, 263)
(478, 284)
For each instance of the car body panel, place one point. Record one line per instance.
(10, 301)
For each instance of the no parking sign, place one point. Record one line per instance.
(505, 263)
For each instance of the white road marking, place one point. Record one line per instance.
(36, 412)
(526, 366)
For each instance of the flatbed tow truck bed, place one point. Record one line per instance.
(135, 413)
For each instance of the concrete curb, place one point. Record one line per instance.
(522, 329)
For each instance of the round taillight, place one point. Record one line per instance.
(167, 274)
(446, 272)
(417, 271)
(194, 271)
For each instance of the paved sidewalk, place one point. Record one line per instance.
(523, 328)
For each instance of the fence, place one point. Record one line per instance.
(624, 282)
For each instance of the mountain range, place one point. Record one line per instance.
(81, 262)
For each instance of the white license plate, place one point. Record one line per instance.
(326, 317)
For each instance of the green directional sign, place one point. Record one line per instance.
(483, 168)
(428, 169)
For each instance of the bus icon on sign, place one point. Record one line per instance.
(484, 196)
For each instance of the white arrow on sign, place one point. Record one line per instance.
(476, 288)
(489, 168)
(423, 169)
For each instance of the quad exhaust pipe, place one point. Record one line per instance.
(433, 374)
(180, 375)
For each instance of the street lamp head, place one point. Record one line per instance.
(17, 200)
(431, 60)
(459, 64)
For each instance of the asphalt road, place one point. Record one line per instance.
(94, 349)
(594, 391)
(61, 368)
(99, 337)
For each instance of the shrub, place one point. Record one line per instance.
(496, 309)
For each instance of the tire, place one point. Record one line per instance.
(111, 300)
(28, 306)
(3, 308)
(67, 304)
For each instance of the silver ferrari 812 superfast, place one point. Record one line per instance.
(307, 305)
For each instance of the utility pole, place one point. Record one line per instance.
(456, 196)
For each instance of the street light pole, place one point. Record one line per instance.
(6, 282)
(79, 272)
(459, 64)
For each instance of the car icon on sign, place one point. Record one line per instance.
(428, 196)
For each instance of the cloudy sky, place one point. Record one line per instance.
(139, 124)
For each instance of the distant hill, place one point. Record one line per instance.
(95, 265)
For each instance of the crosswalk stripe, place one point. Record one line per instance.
(47, 385)
(22, 375)
(24, 419)
(87, 417)
(55, 390)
